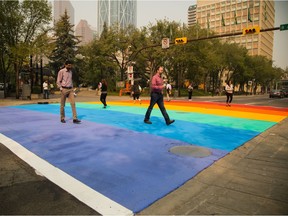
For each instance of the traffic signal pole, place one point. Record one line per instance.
(205, 38)
(228, 35)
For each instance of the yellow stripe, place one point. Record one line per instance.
(231, 113)
(220, 112)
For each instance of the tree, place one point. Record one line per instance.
(262, 72)
(97, 64)
(21, 23)
(153, 55)
(65, 43)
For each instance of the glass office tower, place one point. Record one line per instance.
(120, 12)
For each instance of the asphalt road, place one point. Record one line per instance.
(257, 100)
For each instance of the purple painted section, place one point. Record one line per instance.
(132, 168)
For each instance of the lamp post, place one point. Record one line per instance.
(41, 73)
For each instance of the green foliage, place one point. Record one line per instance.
(21, 23)
(208, 62)
(65, 44)
(23, 32)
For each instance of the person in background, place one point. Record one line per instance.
(157, 97)
(136, 91)
(229, 92)
(46, 89)
(190, 91)
(168, 90)
(103, 95)
(65, 83)
(99, 88)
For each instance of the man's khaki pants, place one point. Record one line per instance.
(70, 94)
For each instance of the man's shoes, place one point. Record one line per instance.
(63, 121)
(170, 122)
(76, 121)
(147, 122)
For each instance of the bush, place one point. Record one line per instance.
(36, 90)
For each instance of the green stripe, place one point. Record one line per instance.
(216, 120)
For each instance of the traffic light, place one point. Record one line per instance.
(182, 40)
(251, 30)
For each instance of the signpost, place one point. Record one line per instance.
(165, 43)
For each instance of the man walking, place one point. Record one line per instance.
(157, 97)
(65, 83)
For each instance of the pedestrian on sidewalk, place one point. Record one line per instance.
(168, 90)
(157, 97)
(229, 92)
(103, 95)
(46, 89)
(190, 91)
(65, 83)
(136, 92)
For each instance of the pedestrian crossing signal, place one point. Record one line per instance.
(182, 40)
(251, 30)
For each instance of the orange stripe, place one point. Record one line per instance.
(234, 107)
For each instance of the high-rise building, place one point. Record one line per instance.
(120, 12)
(192, 12)
(83, 32)
(59, 9)
(230, 16)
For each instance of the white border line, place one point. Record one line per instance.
(82, 192)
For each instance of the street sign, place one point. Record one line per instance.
(165, 43)
(130, 69)
(182, 40)
(283, 27)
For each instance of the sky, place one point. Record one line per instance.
(148, 11)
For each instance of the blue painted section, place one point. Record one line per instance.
(205, 135)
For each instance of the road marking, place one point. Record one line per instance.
(82, 192)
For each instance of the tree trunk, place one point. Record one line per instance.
(16, 68)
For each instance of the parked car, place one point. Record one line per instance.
(276, 93)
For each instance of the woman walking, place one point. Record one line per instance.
(103, 92)
(190, 91)
(136, 91)
(229, 92)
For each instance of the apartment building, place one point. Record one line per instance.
(230, 16)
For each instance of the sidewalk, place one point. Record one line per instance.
(89, 95)
(251, 180)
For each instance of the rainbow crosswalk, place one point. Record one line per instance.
(115, 154)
